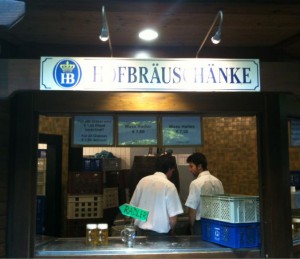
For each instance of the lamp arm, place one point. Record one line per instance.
(109, 41)
(110, 48)
(219, 14)
(105, 25)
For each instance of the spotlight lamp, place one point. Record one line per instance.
(104, 36)
(216, 39)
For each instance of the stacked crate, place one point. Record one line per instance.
(85, 201)
(231, 220)
(41, 191)
(295, 179)
(85, 183)
(88, 195)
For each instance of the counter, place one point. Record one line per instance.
(146, 247)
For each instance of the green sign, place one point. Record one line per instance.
(134, 212)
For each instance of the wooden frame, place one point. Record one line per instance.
(271, 109)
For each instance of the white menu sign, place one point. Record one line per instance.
(93, 130)
(181, 130)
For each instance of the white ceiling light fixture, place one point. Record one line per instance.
(216, 39)
(142, 55)
(148, 35)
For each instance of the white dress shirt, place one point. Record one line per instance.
(159, 196)
(205, 183)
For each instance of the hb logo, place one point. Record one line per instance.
(67, 73)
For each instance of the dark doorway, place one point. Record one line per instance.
(52, 207)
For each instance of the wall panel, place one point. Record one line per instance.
(4, 162)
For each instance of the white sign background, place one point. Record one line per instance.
(114, 74)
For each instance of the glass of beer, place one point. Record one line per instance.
(103, 233)
(92, 235)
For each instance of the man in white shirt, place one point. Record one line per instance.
(204, 183)
(158, 195)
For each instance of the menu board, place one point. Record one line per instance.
(93, 130)
(137, 130)
(295, 133)
(181, 130)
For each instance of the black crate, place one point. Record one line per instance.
(85, 183)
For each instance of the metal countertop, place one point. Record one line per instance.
(144, 245)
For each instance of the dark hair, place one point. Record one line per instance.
(164, 163)
(198, 158)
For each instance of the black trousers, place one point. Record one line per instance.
(146, 232)
(197, 228)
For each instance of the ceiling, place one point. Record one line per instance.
(268, 30)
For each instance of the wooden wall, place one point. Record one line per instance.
(230, 145)
(4, 162)
(294, 157)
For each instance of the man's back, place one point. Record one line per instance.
(159, 196)
(209, 184)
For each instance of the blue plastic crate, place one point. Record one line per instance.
(101, 164)
(234, 235)
(295, 179)
(40, 214)
(92, 164)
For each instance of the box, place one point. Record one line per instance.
(85, 207)
(40, 189)
(234, 235)
(100, 164)
(42, 165)
(40, 214)
(42, 153)
(110, 198)
(295, 200)
(92, 164)
(85, 183)
(111, 164)
(231, 208)
(295, 179)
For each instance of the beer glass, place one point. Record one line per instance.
(92, 234)
(103, 233)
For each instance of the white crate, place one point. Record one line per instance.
(111, 197)
(295, 200)
(42, 164)
(41, 178)
(231, 208)
(85, 207)
(40, 189)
